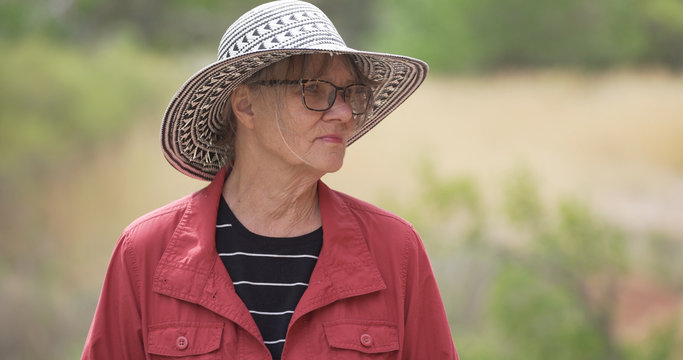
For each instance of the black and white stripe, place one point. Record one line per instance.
(269, 274)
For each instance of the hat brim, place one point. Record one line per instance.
(192, 123)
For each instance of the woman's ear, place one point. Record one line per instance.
(241, 101)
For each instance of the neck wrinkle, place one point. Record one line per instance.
(270, 205)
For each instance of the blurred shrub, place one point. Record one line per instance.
(163, 24)
(484, 35)
(663, 255)
(663, 344)
(663, 23)
(452, 35)
(538, 282)
(58, 99)
(539, 318)
(554, 297)
(453, 202)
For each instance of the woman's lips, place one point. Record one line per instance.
(332, 138)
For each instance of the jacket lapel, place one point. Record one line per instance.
(190, 268)
(345, 266)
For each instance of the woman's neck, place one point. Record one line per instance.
(273, 203)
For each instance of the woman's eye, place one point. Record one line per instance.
(311, 88)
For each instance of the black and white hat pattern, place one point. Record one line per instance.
(192, 123)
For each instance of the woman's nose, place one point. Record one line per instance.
(340, 108)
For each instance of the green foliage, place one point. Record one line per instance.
(455, 202)
(540, 301)
(662, 344)
(525, 33)
(540, 318)
(436, 31)
(163, 24)
(484, 35)
(663, 254)
(452, 35)
(584, 242)
(59, 100)
(540, 283)
(663, 20)
(522, 203)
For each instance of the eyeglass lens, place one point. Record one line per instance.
(320, 95)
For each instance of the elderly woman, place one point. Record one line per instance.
(267, 261)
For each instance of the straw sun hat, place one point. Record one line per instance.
(264, 35)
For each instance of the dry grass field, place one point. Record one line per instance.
(613, 140)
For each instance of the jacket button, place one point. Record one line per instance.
(181, 343)
(366, 340)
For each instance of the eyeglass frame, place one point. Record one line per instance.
(302, 83)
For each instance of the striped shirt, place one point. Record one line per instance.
(269, 274)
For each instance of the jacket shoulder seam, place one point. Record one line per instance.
(358, 205)
(129, 256)
(137, 223)
(404, 261)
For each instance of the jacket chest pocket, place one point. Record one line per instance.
(180, 340)
(362, 339)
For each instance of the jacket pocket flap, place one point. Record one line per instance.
(184, 338)
(362, 335)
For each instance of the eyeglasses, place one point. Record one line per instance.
(320, 95)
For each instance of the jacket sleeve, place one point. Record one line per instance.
(116, 331)
(427, 333)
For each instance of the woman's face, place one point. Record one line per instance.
(290, 133)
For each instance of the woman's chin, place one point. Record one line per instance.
(329, 165)
(326, 160)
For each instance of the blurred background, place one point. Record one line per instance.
(541, 161)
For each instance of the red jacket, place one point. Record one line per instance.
(167, 293)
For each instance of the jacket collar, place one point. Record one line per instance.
(191, 270)
(345, 266)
